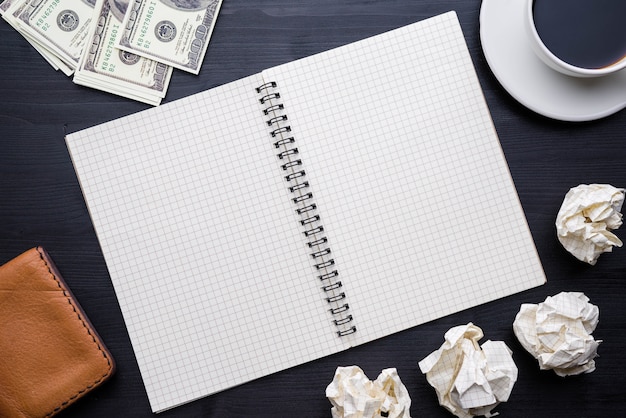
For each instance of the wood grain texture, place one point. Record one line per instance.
(41, 204)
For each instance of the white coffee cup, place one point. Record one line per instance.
(556, 63)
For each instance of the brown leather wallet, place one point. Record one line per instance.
(50, 355)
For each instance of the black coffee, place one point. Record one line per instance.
(583, 33)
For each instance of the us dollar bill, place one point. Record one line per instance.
(59, 25)
(104, 66)
(4, 6)
(175, 32)
(10, 10)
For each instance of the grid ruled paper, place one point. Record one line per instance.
(205, 251)
(407, 169)
(202, 244)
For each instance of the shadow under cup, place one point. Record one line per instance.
(583, 34)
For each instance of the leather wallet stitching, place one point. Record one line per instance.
(94, 339)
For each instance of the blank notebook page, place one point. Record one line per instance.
(406, 168)
(202, 244)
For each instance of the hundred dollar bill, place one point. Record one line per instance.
(59, 25)
(128, 93)
(4, 6)
(9, 10)
(175, 32)
(105, 67)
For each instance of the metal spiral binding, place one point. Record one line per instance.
(310, 220)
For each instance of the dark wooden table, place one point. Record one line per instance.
(41, 204)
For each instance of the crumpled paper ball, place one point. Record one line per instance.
(353, 395)
(470, 380)
(557, 332)
(588, 213)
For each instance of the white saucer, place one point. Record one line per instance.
(533, 83)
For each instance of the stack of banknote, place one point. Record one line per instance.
(124, 47)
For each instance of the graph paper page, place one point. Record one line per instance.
(201, 242)
(418, 203)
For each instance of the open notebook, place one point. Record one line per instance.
(298, 212)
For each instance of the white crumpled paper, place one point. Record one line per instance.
(588, 213)
(470, 380)
(557, 332)
(353, 395)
